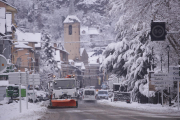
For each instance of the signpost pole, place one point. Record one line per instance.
(162, 97)
(178, 93)
(33, 87)
(20, 91)
(26, 89)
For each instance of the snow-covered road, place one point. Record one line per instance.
(103, 109)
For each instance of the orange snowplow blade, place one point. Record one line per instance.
(64, 103)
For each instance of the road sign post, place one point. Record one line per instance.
(20, 91)
(178, 93)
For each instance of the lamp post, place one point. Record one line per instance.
(168, 49)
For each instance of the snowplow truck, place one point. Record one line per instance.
(63, 93)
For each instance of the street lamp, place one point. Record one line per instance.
(168, 49)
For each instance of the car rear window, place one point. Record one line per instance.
(89, 92)
(102, 92)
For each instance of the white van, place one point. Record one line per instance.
(89, 95)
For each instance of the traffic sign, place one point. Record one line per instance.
(157, 82)
(174, 73)
(159, 75)
(15, 77)
(3, 64)
(158, 32)
(35, 83)
(174, 68)
(34, 79)
(175, 78)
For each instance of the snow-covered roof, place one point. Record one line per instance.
(71, 19)
(34, 37)
(70, 60)
(80, 65)
(57, 56)
(4, 83)
(81, 51)
(93, 31)
(94, 59)
(8, 4)
(21, 45)
(29, 37)
(90, 53)
(85, 30)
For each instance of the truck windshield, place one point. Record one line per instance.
(64, 84)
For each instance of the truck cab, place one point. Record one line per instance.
(64, 88)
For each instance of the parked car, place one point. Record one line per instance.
(32, 95)
(102, 94)
(128, 101)
(89, 95)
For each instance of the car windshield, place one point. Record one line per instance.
(102, 92)
(89, 92)
(64, 84)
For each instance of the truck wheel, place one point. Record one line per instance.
(76, 104)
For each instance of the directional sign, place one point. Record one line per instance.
(156, 82)
(35, 83)
(15, 77)
(175, 78)
(174, 68)
(159, 75)
(3, 64)
(174, 73)
(34, 78)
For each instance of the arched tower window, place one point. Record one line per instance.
(70, 29)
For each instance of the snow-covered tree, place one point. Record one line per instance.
(48, 63)
(131, 56)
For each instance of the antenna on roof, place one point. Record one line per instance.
(71, 7)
